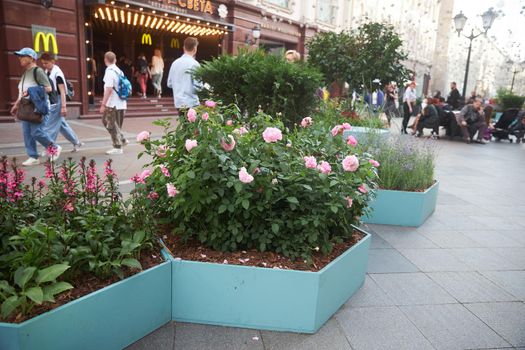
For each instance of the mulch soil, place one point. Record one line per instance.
(86, 284)
(194, 251)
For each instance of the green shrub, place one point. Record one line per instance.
(256, 80)
(334, 112)
(509, 100)
(253, 193)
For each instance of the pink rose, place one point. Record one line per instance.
(346, 126)
(161, 151)
(191, 144)
(362, 189)
(349, 202)
(350, 163)
(143, 136)
(240, 131)
(310, 162)
(306, 122)
(244, 176)
(228, 147)
(272, 135)
(324, 167)
(172, 190)
(257, 170)
(153, 195)
(192, 115)
(205, 116)
(229, 122)
(145, 174)
(165, 171)
(352, 141)
(210, 104)
(337, 130)
(374, 163)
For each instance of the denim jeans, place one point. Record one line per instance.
(58, 124)
(34, 132)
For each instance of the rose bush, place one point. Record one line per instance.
(251, 183)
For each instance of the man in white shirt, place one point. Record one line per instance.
(157, 70)
(409, 103)
(180, 78)
(112, 106)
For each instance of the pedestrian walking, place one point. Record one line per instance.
(390, 104)
(58, 111)
(157, 71)
(33, 87)
(180, 78)
(113, 107)
(409, 104)
(142, 74)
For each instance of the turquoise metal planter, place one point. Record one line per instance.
(359, 132)
(402, 208)
(111, 318)
(263, 298)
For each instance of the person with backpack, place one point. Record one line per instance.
(58, 111)
(142, 74)
(116, 90)
(34, 77)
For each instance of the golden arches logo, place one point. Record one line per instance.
(146, 39)
(174, 44)
(46, 39)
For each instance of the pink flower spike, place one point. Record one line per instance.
(306, 122)
(51, 151)
(172, 191)
(374, 163)
(349, 202)
(229, 122)
(228, 147)
(346, 126)
(210, 104)
(205, 116)
(191, 144)
(192, 115)
(310, 162)
(244, 177)
(69, 207)
(324, 167)
(272, 135)
(351, 140)
(363, 189)
(350, 163)
(143, 136)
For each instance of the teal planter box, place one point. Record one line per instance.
(359, 132)
(264, 298)
(402, 208)
(108, 319)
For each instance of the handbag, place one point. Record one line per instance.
(27, 111)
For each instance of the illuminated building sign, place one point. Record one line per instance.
(202, 6)
(44, 39)
(146, 39)
(174, 44)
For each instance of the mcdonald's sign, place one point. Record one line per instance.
(146, 39)
(44, 39)
(175, 44)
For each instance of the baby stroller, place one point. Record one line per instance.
(511, 123)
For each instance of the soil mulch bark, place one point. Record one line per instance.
(194, 251)
(86, 284)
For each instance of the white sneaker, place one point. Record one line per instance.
(77, 146)
(57, 155)
(115, 151)
(125, 142)
(31, 161)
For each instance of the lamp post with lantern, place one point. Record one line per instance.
(460, 20)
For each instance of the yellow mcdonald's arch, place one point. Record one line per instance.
(174, 44)
(46, 38)
(146, 39)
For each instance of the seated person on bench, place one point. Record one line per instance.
(471, 121)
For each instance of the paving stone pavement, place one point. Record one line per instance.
(457, 282)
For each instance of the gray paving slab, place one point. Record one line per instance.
(379, 243)
(407, 240)
(517, 235)
(482, 259)
(329, 337)
(450, 239)
(161, 339)
(470, 287)
(369, 295)
(491, 238)
(497, 222)
(429, 260)
(514, 255)
(388, 260)
(412, 289)
(512, 281)
(463, 223)
(189, 336)
(381, 328)
(507, 319)
(452, 326)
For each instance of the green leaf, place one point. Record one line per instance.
(245, 204)
(23, 275)
(334, 209)
(238, 187)
(4, 285)
(222, 208)
(36, 294)
(190, 174)
(133, 263)
(292, 200)
(9, 305)
(51, 273)
(54, 289)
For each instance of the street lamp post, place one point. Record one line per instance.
(459, 22)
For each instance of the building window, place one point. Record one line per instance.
(281, 3)
(325, 11)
